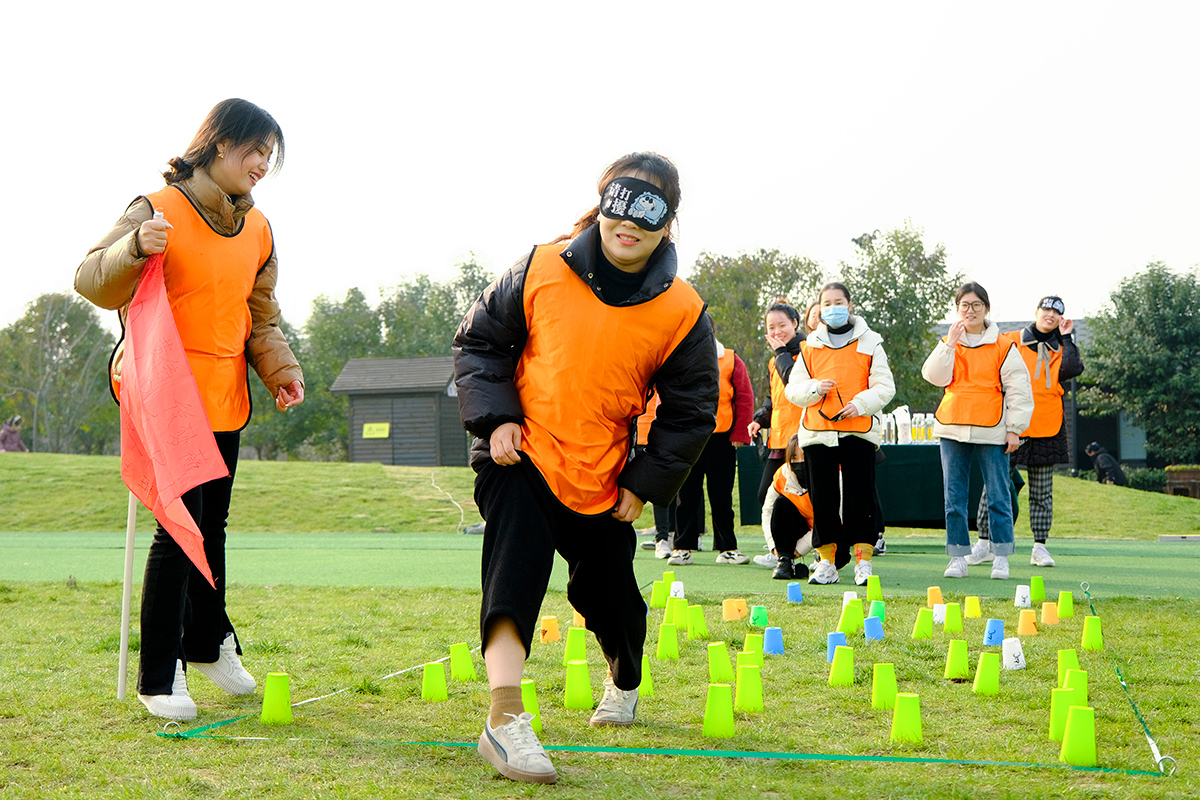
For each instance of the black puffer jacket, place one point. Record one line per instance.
(1050, 449)
(488, 346)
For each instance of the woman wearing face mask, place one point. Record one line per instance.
(843, 381)
(987, 403)
(1052, 358)
(552, 365)
(219, 268)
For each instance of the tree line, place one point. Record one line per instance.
(1143, 357)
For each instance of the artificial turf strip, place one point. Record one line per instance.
(1117, 568)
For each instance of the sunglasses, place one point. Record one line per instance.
(841, 404)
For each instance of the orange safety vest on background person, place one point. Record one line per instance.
(725, 403)
(209, 278)
(1047, 417)
(801, 501)
(851, 371)
(578, 400)
(785, 416)
(975, 396)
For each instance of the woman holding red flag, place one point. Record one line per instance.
(219, 268)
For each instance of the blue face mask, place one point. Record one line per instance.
(835, 316)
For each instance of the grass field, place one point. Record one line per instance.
(354, 594)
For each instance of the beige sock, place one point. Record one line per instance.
(505, 700)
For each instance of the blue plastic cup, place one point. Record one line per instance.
(994, 633)
(831, 644)
(873, 628)
(773, 641)
(795, 594)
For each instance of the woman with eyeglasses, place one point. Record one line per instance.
(987, 403)
(843, 381)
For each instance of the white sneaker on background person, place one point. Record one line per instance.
(662, 549)
(680, 558)
(732, 557)
(1041, 556)
(957, 568)
(769, 560)
(981, 551)
(617, 707)
(824, 573)
(1000, 568)
(862, 571)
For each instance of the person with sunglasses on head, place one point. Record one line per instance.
(1052, 358)
(842, 380)
(552, 365)
(987, 403)
(10, 436)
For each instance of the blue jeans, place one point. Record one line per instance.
(956, 472)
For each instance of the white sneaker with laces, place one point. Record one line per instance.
(616, 708)
(1000, 568)
(176, 705)
(662, 549)
(227, 671)
(957, 568)
(981, 551)
(768, 560)
(1041, 556)
(680, 558)
(824, 573)
(514, 749)
(732, 557)
(862, 571)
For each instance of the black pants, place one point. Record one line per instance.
(526, 524)
(718, 463)
(182, 616)
(770, 467)
(788, 526)
(843, 510)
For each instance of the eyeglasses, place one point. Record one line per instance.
(976, 306)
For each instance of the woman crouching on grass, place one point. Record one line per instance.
(552, 365)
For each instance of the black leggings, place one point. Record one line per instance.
(788, 526)
(526, 524)
(182, 616)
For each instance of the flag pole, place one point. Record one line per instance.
(126, 596)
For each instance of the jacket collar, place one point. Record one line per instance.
(583, 251)
(1031, 341)
(223, 212)
(820, 336)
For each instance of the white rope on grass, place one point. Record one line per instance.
(462, 514)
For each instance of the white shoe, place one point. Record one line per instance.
(176, 705)
(1000, 568)
(514, 749)
(768, 560)
(680, 558)
(227, 671)
(862, 571)
(616, 708)
(1041, 556)
(733, 557)
(662, 549)
(981, 551)
(824, 573)
(957, 568)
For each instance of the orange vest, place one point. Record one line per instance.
(584, 373)
(801, 501)
(725, 403)
(209, 278)
(785, 417)
(851, 370)
(1047, 417)
(975, 396)
(647, 419)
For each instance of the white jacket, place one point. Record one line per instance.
(881, 388)
(1014, 381)
(791, 484)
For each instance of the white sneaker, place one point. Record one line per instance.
(514, 749)
(733, 557)
(768, 560)
(662, 549)
(616, 708)
(1041, 556)
(1000, 568)
(981, 551)
(957, 568)
(176, 705)
(824, 573)
(227, 671)
(680, 558)
(862, 571)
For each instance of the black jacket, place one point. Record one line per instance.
(1050, 449)
(488, 345)
(1108, 470)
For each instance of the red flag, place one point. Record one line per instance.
(167, 445)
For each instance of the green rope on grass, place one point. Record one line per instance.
(657, 751)
(1160, 760)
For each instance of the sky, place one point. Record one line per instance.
(1050, 147)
